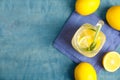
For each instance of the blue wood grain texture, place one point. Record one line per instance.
(27, 31)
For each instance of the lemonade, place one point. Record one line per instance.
(84, 38)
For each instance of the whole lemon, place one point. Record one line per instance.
(85, 71)
(86, 7)
(113, 17)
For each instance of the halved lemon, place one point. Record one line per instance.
(111, 61)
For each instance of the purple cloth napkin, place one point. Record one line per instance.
(63, 41)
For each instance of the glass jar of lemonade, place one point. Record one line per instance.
(87, 40)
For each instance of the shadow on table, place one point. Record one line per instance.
(70, 4)
(71, 71)
(103, 12)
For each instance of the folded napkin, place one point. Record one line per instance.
(63, 41)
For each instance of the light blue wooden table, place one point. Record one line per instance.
(27, 31)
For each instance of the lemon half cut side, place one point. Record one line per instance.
(111, 61)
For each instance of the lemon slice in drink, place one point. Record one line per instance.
(111, 61)
(85, 42)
